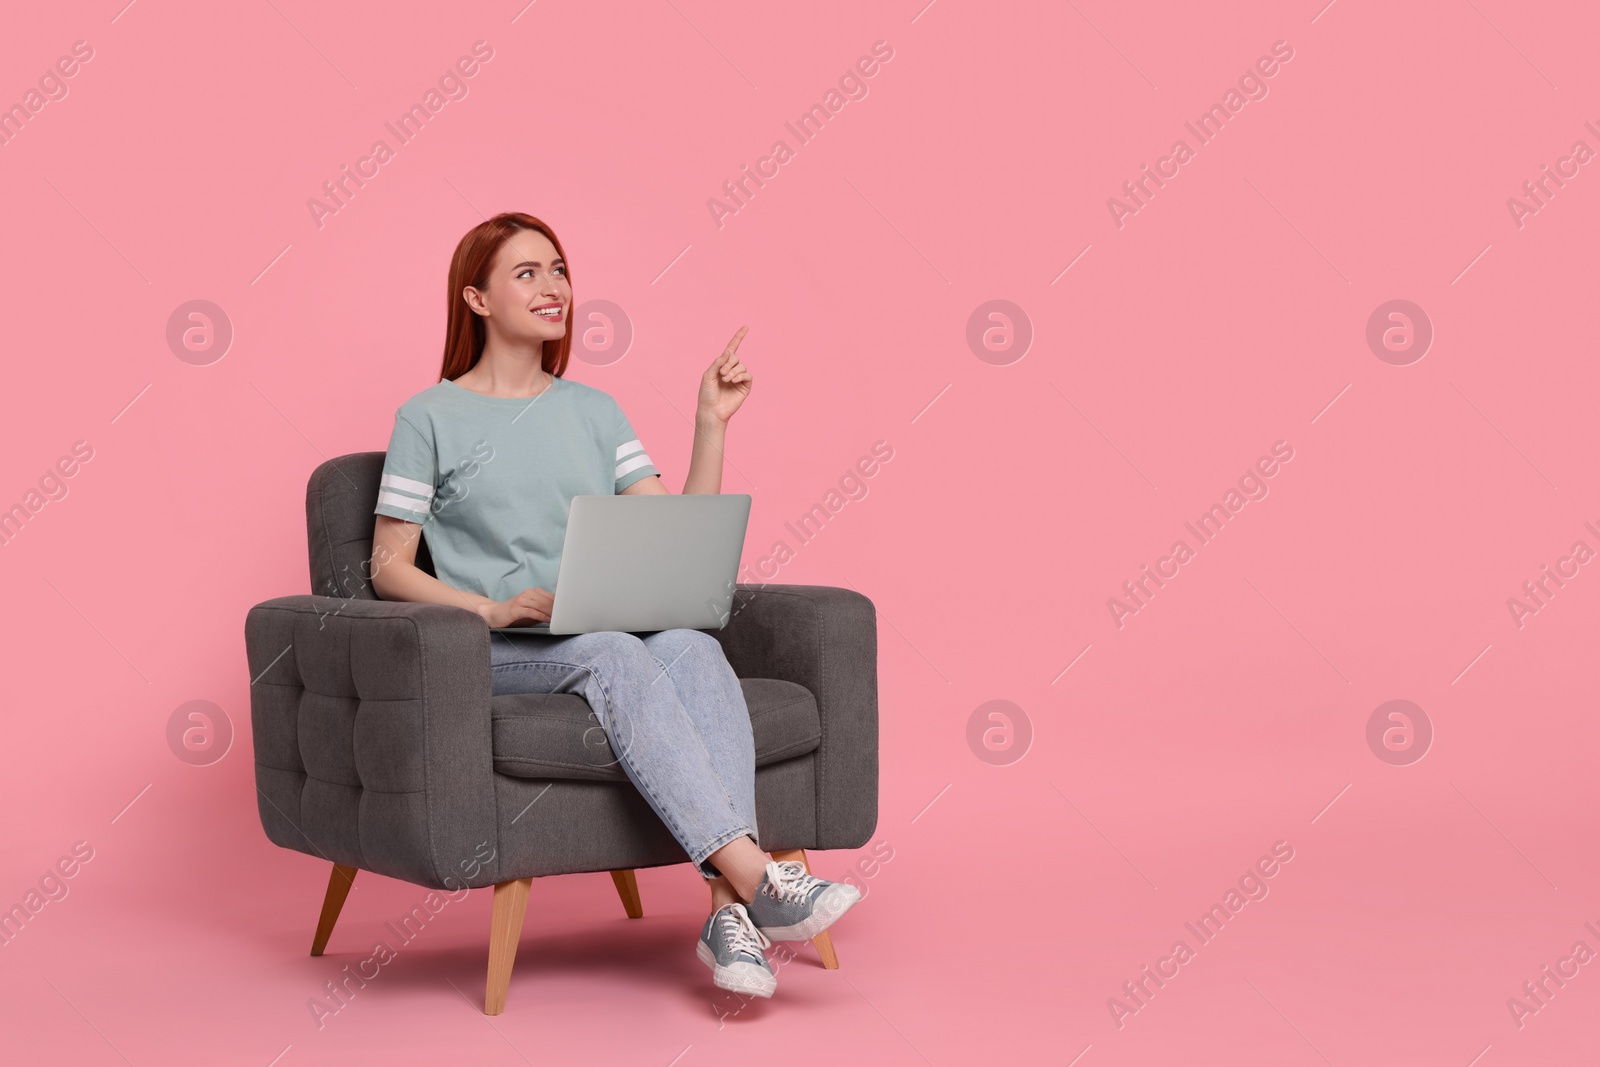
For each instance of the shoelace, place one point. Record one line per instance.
(789, 881)
(741, 932)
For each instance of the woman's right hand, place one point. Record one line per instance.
(530, 605)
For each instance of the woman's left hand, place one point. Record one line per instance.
(725, 383)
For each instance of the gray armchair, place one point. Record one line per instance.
(378, 746)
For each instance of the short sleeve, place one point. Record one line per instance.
(410, 473)
(633, 462)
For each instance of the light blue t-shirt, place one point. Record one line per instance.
(490, 478)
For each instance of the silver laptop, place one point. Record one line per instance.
(647, 562)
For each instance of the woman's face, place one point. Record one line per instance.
(526, 276)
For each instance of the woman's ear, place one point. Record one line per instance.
(475, 301)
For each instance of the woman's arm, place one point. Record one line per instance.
(705, 466)
(396, 576)
(723, 388)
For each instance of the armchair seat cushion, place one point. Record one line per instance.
(557, 735)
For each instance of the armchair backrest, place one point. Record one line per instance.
(340, 498)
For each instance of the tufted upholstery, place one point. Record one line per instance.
(379, 746)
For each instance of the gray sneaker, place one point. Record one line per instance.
(791, 905)
(731, 946)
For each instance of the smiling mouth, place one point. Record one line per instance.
(549, 312)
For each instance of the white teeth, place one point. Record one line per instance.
(548, 313)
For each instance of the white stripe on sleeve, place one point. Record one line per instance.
(629, 448)
(404, 503)
(410, 485)
(641, 460)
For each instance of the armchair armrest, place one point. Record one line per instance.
(825, 639)
(372, 736)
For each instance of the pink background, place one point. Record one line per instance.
(1228, 314)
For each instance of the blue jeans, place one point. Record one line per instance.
(673, 711)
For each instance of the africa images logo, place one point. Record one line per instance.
(1252, 85)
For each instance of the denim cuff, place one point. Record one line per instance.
(703, 863)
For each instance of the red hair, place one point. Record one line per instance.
(474, 255)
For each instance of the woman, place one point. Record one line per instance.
(485, 463)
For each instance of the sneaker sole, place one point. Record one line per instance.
(824, 915)
(735, 981)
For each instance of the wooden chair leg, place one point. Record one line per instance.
(339, 883)
(824, 940)
(510, 904)
(628, 890)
